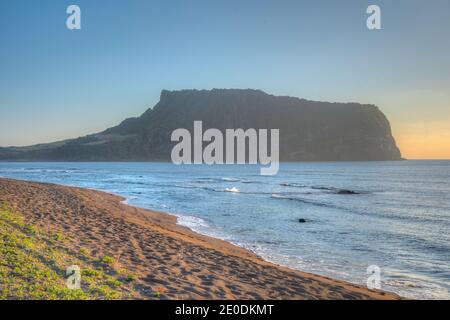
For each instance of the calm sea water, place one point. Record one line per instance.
(398, 218)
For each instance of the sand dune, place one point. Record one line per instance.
(164, 256)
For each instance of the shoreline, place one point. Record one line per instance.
(178, 261)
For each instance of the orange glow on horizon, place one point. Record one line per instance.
(424, 140)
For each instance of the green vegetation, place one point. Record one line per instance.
(121, 271)
(33, 265)
(107, 260)
(58, 237)
(130, 278)
(113, 282)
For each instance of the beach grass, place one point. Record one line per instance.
(33, 265)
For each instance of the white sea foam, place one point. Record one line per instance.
(128, 199)
(230, 179)
(192, 222)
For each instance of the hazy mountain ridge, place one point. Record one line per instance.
(309, 130)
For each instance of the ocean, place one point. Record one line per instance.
(394, 215)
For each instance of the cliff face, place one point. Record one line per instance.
(309, 131)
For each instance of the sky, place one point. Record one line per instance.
(57, 83)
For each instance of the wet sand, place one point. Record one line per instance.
(166, 257)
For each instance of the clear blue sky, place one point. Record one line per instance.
(56, 83)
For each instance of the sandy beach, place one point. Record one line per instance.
(164, 256)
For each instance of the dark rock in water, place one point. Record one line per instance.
(301, 220)
(343, 191)
(309, 130)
